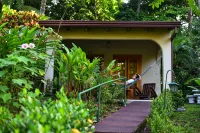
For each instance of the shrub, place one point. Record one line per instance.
(23, 56)
(178, 99)
(20, 18)
(75, 69)
(60, 115)
(159, 119)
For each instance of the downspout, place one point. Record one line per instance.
(172, 53)
(174, 34)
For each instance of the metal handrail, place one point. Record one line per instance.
(99, 92)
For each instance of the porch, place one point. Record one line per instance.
(133, 56)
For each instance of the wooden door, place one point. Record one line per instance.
(130, 65)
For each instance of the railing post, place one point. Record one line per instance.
(79, 96)
(99, 104)
(124, 91)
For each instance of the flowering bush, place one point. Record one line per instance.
(22, 59)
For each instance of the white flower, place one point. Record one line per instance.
(31, 45)
(24, 46)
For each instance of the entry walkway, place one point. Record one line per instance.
(126, 120)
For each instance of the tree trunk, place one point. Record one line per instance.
(138, 7)
(1, 5)
(198, 3)
(42, 8)
(190, 19)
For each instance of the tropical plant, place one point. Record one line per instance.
(60, 115)
(23, 57)
(74, 68)
(20, 18)
(186, 57)
(19, 70)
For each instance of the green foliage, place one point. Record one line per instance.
(5, 117)
(60, 115)
(112, 93)
(77, 72)
(92, 106)
(188, 119)
(178, 99)
(22, 66)
(25, 5)
(186, 57)
(159, 119)
(20, 18)
(18, 68)
(168, 11)
(73, 66)
(83, 9)
(192, 4)
(156, 3)
(194, 7)
(158, 104)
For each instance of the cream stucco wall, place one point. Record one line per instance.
(161, 37)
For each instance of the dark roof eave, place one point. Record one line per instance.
(107, 24)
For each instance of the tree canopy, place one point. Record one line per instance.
(70, 9)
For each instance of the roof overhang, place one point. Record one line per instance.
(110, 24)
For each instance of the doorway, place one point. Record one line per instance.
(130, 65)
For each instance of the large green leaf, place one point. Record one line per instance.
(24, 33)
(3, 88)
(33, 70)
(16, 104)
(192, 87)
(5, 97)
(37, 92)
(20, 81)
(23, 59)
(6, 62)
(3, 25)
(42, 72)
(198, 81)
(2, 73)
(32, 31)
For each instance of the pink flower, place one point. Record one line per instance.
(24, 46)
(31, 45)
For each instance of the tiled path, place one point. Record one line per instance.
(126, 120)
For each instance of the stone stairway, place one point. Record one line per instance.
(125, 120)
